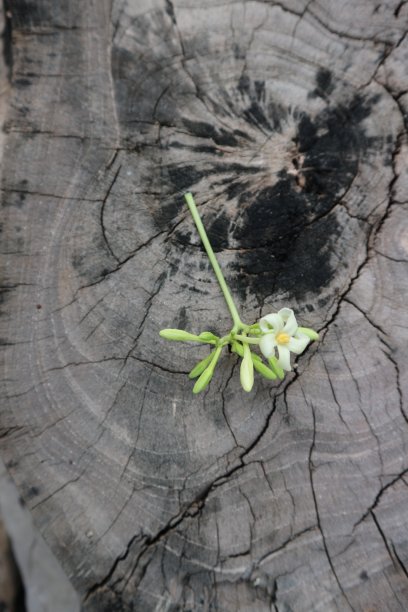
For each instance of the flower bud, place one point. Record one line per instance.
(264, 370)
(247, 370)
(238, 348)
(208, 337)
(204, 379)
(201, 365)
(275, 366)
(310, 333)
(179, 335)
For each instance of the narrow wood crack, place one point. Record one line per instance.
(378, 498)
(102, 213)
(319, 525)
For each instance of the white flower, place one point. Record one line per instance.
(281, 331)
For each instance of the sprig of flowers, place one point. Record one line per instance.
(276, 335)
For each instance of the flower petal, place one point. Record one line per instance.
(297, 345)
(267, 345)
(289, 318)
(284, 357)
(271, 320)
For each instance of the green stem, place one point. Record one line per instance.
(224, 340)
(216, 357)
(218, 273)
(246, 340)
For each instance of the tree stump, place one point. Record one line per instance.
(287, 121)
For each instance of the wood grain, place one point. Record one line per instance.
(288, 122)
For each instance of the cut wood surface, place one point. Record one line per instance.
(288, 122)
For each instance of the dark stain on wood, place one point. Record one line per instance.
(283, 231)
(170, 11)
(31, 492)
(280, 226)
(202, 129)
(29, 13)
(324, 84)
(182, 321)
(22, 82)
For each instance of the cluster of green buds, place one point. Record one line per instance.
(276, 334)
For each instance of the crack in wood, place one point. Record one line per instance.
(378, 498)
(102, 214)
(319, 524)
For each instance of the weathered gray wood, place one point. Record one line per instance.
(30, 577)
(38, 584)
(287, 122)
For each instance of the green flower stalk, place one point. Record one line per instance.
(211, 256)
(274, 333)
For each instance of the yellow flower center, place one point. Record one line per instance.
(282, 338)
